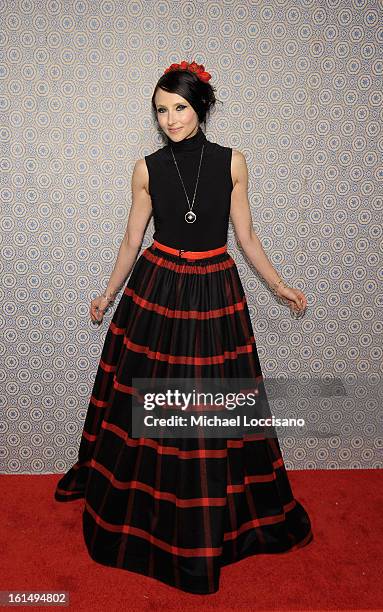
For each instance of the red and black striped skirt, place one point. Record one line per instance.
(178, 510)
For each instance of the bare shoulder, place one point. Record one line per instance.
(140, 176)
(238, 167)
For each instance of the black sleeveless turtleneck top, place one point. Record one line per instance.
(212, 200)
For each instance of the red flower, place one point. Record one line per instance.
(198, 69)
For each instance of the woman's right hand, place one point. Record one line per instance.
(98, 307)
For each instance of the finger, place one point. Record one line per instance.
(296, 309)
(301, 302)
(296, 303)
(300, 312)
(96, 313)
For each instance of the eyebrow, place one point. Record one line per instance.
(176, 104)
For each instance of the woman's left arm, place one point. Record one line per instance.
(240, 215)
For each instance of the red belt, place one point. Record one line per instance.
(190, 254)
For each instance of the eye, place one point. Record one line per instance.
(182, 106)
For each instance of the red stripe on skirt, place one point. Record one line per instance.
(265, 520)
(180, 314)
(139, 348)
(189, 552)
(156, 493)
(165, 450)
(141, 533)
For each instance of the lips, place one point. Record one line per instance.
(174, 130)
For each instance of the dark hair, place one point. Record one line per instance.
(199, 94)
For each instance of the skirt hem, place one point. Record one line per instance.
(134, 566)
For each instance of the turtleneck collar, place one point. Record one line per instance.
(189, 144)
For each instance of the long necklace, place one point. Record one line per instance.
(190, 216)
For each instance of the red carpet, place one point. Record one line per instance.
(42, 549)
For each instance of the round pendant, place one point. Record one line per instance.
(190, 217)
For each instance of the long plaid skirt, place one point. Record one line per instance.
(178, 510)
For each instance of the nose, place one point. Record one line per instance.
(170, 122)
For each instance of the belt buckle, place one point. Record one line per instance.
(180, 251)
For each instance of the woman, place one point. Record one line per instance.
(179, 509)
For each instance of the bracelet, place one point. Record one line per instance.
(110, 299)
(275, 285)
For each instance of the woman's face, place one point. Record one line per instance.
(176, 117)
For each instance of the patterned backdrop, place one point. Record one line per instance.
(301, 86)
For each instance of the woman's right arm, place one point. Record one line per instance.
(139, 215)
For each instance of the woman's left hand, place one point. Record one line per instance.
(295, 298)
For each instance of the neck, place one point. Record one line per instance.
(189, 144)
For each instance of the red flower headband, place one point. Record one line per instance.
(198, 69)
